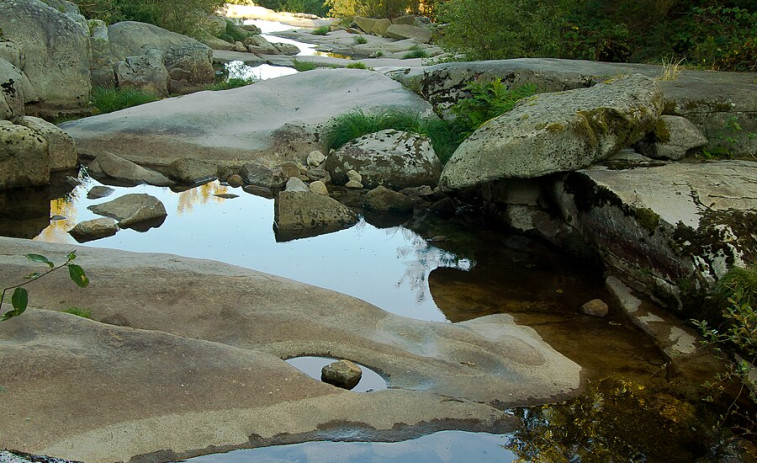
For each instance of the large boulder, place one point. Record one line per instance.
(11, 90)
(103, 62)
(61, 147)
(188, 62)
(271, 122)
(56, 52)
(144, 72)
(113, 169)
(24, 159)
(391, 158)
(304, 213)
(557, 132)
(670, 231)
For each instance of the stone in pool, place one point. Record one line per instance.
(343, 373)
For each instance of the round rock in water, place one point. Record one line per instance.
(595, 308)
(343, 373)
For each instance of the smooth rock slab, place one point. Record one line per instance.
(194, 359)
(112, 168)
(557, 132)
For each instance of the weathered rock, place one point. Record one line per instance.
(259, 191)
(406, 31)
(235, 181)
(260, 175)
(191, 171)
(188, 62)
(673, 138)
(595, 308)
(254, 123)
(61, 147)
(557, 132)
(295, 184)
(15, 90)
(319, 187)
(366, 24)
(132, 210)
(112, 168)
(144, 72)
(298, 211)
(354, 176)
(56, 52)
(382, 199)
(670, 231)
(97, 192)
(342, 373)
(287, 48)
(315, 158)
(95, 229)
(24, 159)
(391, 158)
(380, 26)
(102, 60)
(258, 44)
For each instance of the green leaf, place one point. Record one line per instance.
(40, 259)
(71, 256)
(32, 276)
(78, 276)
(20, 299)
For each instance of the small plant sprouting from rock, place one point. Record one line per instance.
(488, 99)
(302, 66)
(415, 52)
(360, 40)
(357, 65)
(20, 296)
(736, 339)
(79, 312)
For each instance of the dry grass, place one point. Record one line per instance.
(671, 68)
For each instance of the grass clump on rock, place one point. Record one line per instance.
(302, 66)
(357, 65)
(107, 100)
(415, 52)
(323, 30)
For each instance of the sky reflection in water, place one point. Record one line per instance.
(386, 267)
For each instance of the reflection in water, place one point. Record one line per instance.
(24, 211)
(386, 267)
(445, 446)
(240, 70)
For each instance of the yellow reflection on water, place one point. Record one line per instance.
(57, 231)
(200, 195)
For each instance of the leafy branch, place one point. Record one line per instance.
(20, 296)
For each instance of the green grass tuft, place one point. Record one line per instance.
(360, 40)
(107, 100)
(415, 52)
(79, 312)
(357, 65)
(323, 30)
(234, 82)
(302, 66)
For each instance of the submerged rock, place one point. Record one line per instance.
(595, 308)
(557, 132)
(342, 373)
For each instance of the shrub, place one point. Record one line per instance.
(107, 100)
(488, 99)
(323, 30)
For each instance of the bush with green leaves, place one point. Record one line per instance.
(182, 16)
(322, 30)
(20, 296)
(735, 337)
(488, 99)
(372, 8)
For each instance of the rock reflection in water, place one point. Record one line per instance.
(386, 267)
(24, 212)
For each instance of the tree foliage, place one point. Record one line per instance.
(372, 8)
